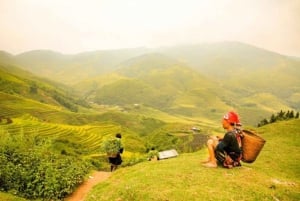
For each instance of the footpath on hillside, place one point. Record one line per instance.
(87, 185)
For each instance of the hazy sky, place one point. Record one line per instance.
(72, 26)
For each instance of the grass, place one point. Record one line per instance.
(273, 176)
(10, 197)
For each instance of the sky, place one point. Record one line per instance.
(73, 26)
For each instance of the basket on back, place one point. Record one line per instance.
(251, 146)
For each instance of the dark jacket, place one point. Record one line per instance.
(230, 145)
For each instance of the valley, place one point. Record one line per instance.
(154, 97)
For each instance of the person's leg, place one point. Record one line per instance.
(113, 167)
(211, 145)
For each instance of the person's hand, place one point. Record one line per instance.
(219, 137)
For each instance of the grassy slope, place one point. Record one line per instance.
(165, 84)
(274, 175)
(20, 83)
(244, 69)
(14, 106)
(169, 85)
(10, 197)
(88, 129)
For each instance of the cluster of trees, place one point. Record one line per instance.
(280, 116)
(65, 102)
(29, 168)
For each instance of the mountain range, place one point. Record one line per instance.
(162, 98)
(196, 81)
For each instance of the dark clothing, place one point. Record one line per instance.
(228, 146)
(229, 143)
(116, 160)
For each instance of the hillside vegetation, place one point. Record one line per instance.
(68, 68)
(73, 103)
(178, 80)
(273, 176)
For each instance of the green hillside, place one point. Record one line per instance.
(234, 71)
(18, 82)
(244, 69)
(68, 68)
(162, 83)
(135, 122)
(24, 94)
(273, 176)
(125, 91)
(154, 97)
(231, 58)
(168, 79)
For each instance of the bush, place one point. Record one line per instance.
(29, 169)
(111, 145)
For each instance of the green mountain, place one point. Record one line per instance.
(167, 84)
(18, 82)
(73, 68)
(48, 107)
(230, 57)
(162, 83)
(243, 68)
(194, 81)
(153, 97)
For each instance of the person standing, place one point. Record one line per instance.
(226, 150)
(153, 155)
(116, 160)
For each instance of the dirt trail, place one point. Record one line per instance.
(87, 185)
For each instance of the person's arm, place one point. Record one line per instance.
(220, 147)
(220, 138)
(223, 143)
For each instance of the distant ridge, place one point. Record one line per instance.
(190, 80)
(208, 58)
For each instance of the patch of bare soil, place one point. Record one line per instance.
(87, 185)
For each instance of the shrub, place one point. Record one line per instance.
(29, 169)
(111, 146)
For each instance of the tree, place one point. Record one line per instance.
(262, 122)
(273, 119)
(291, 116)
(287, 115)
(280, 115)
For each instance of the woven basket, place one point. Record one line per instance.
(251, 146)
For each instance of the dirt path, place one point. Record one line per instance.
(82, 190)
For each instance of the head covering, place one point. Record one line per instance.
(232, 118)
(118, 135)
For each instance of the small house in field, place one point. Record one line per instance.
(167, 154)
(195, 130)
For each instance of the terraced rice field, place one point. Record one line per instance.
(88, 136)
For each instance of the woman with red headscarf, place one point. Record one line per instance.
(227, 150)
